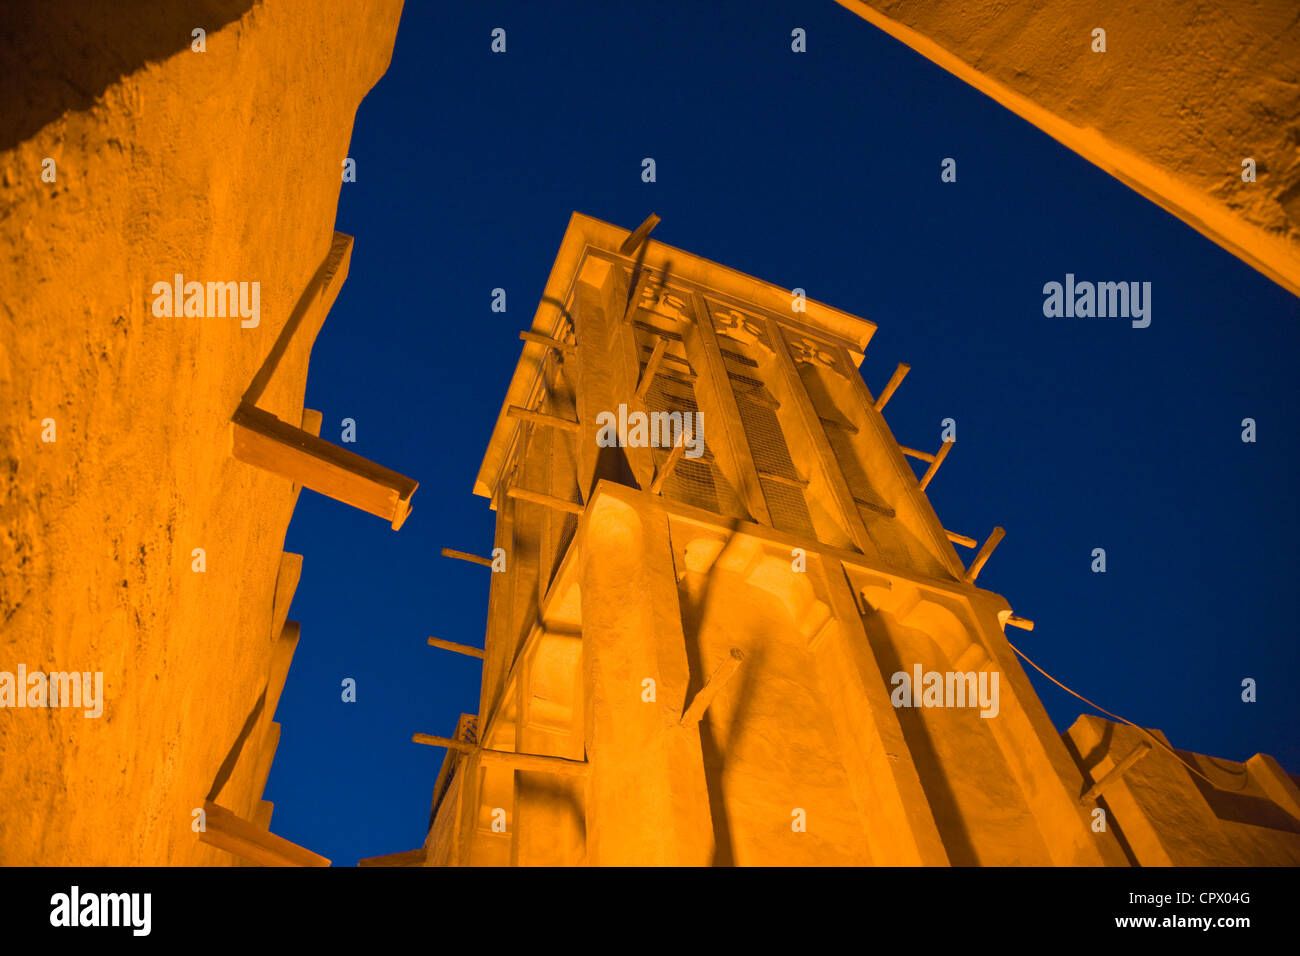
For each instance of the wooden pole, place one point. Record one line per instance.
(466, 556)
(541, 418)
(674, 457)
(259, 438)
(548, 501)
(799, 483)
(638, 235)
(724, 672)
(457, 648)
(1021, 622)
(960, 539)
(226, 831)
(416, 857)
(1121, 768)
(895, 380)
(651, 368)
(913, 453)
(934, 465)
(984, 554)
(449, 743)
(535, 763)
(546, 340)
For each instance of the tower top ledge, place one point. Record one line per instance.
(585, 235)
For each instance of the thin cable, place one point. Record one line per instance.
(1124, 720)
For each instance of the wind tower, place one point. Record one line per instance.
(689, 650)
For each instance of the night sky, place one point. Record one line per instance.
(822, 171)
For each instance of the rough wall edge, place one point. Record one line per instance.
(1210, 218)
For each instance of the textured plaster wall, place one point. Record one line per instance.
(224, 166)
(1183, 93)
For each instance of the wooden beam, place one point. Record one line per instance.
(934, 465)
(541, 418)
(1021, 622)
(651, 368)
(286, 585)
(638, 287)
(308, 315)
(457, 648)
(281, 658)
(836, 423)
(895, 380)
(1118, 771)
(724, 672)
(550, 343)
(435, 741)
(225, 831)
(800, 483)
(416, 857)
(466, 556)
(259, 438)
(879, 509)
(674, 457)
(535, 763)
(913, 453)
(984, 554)
(638, 235)
(312, 421)
(547, 501)
(960, 539)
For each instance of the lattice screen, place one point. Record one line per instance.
(694, 481)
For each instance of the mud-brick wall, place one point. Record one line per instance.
(221, 165)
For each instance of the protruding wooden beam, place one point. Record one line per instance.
(984, 554)
(1118, 771)
(259, 438)
(550, 343)
(800, 483)
(638, 235)
(541, 418)
(466, 556)
(934, 465)
(547, 501)
(1021, 622)
(960, 539)
(416, 857)
(724, 672)
(842, 426)
(535, 763)
(651, 368)
(895, 380)
(883, 510)
(913, 453)
(286, 584)
(674, 457)
(225, 831)
(457, 648)
(312, 421)
(434, 741)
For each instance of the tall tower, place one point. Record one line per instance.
(696, 651)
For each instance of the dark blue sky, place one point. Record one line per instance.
(817, 170)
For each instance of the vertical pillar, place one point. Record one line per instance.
(896, 813)
(647, 800)
(724, 429)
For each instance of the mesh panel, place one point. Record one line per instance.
(772, 457)
(694, 481)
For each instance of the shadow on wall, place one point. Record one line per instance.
(61, 58)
